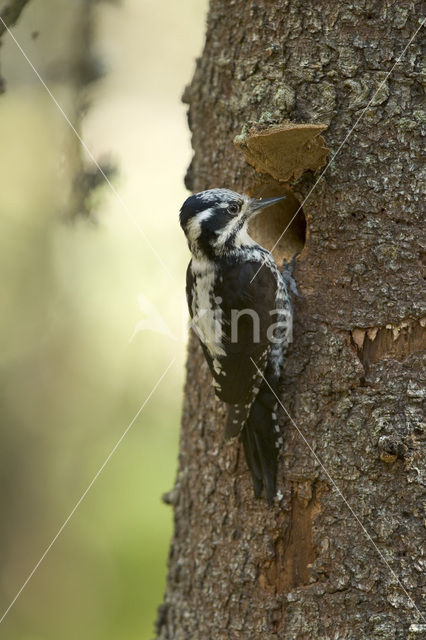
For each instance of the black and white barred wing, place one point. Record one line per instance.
(242, 308)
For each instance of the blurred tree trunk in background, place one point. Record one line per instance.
(9, 14)
(76, 67)
(68, 66)
(306, 569)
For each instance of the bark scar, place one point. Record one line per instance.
(395, 341)
(294, 548)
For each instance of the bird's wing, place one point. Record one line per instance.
(245, 316)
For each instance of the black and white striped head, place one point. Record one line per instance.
(215, 221)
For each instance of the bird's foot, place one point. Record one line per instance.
(287, 274)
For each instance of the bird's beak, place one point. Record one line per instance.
(255, 206)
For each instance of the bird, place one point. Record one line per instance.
(241, 312)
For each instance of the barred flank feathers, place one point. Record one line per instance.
(237, 417)
(238, 413)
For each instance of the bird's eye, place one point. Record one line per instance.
(233, 208)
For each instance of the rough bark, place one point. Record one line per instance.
(353, 380)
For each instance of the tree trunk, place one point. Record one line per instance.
(25, 503)
(339, 554)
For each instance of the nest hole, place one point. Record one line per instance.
(281, 228)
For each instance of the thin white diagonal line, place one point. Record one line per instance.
(348, 135)
(84, 494)
(90, 154)
(342, 496)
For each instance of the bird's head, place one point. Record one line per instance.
(215, 221)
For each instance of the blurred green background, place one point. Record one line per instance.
(73, 290)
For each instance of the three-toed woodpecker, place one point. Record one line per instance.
(241, 312)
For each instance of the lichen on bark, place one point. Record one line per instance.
(308, 568)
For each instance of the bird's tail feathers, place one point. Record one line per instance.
(261, 441)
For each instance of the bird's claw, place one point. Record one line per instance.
(287, 274)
